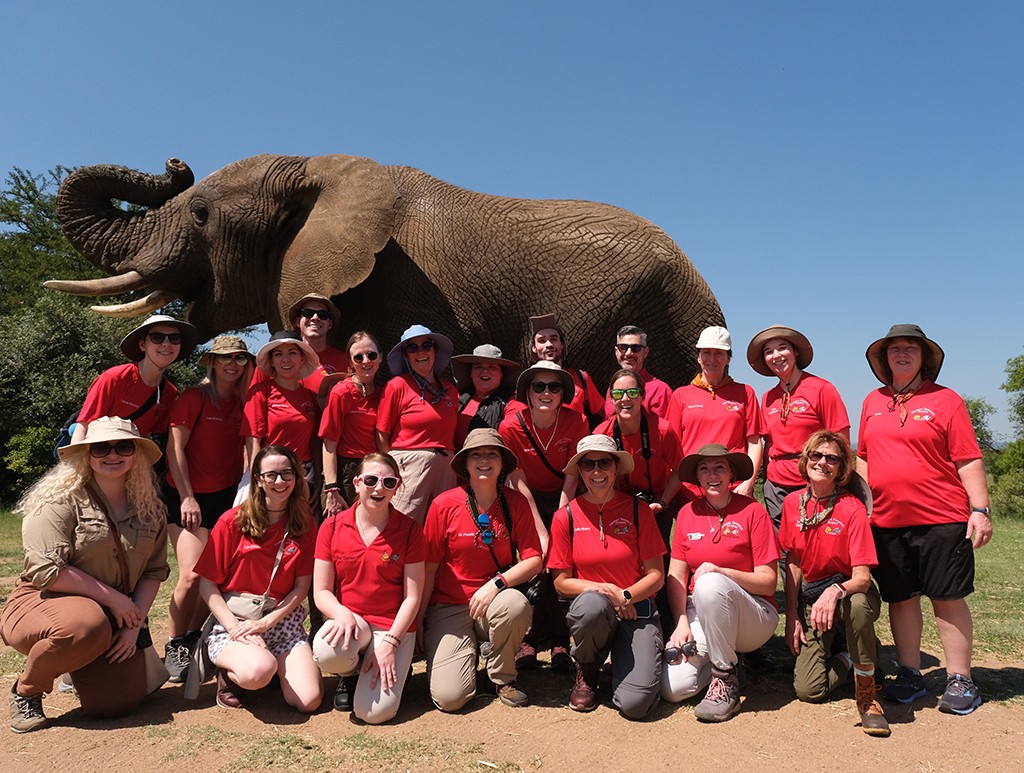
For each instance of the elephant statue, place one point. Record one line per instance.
(392, 246)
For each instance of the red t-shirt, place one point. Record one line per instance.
(912, 469)
(331, 361)
(214, 449)
(657, 395)
(412, 420)
(838, 544)
(243, 564)
(729, 418)
(743, 539)
(281, 417)
(370, 579)
(619, 558)
(665, 455)
(350, 420)
(570, 428)
(464, 561)
(813, 404)
(120, 391)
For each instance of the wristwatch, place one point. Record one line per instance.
(982, 510)
(626, 597)
(500, 582)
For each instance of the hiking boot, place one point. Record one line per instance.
(872, 719)
(229, 694)
(177, 655)
(560, 659)
(343, 694)
(961, 695)
(26, 711)
(722, 699)
(583, 695)
(907, 687)
(511, 695)
(526, 657)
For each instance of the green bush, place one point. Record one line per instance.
(1007, 494)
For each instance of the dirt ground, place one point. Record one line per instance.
(772, 732)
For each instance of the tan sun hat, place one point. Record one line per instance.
(489, 354)
(551, 369)
(225, 345)
(310, 360)
(189, 337)
(876, 355)
(599, 444)
(113, 429)
(743, 467)
(799, 342)
(293, 310)
(484, 437)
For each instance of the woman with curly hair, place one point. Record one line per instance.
(95, 537)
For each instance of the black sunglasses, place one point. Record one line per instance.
(635, 348)
(414, 347)
(604, 464)
(121, 448)
(238, 359)
(310, 313)
(369, 357)
(817, 456)
(158, 338)
(554, 387)
(390, 482)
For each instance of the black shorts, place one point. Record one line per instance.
(211, 506)
(936, 561)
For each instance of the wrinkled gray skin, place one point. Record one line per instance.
(392, 246)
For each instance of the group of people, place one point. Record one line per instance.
(499, 514)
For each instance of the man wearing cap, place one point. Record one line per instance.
(631, 352)
(547, 342)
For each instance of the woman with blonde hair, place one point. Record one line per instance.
(95, 537)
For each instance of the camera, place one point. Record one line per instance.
(643, 496)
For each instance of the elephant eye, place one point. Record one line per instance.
(200, 214)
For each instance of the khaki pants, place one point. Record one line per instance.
(425, 474)
(450, 638)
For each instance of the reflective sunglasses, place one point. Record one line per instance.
(121, 448)
(817, 456)
(158, 338)
(272, 475)
(632, 393)
(369, 357)
(635, 348)
(238, 359)
(604, 464)
(390, 482)
(540, 387)
(483, 522)
(426, 346)
(319, 313)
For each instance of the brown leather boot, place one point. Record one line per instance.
(872, 720)
(583, 696)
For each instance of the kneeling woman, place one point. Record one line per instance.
(95, 536)
(481, 544)
(830, 554)
(367, 582)
(261, 553)
(606, 555)
(721, 583)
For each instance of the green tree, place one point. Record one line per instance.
(1014, 386)
(980, 410)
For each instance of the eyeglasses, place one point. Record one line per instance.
(390, 482)
(635, 348)
(271, 476)
(483, 523)
(817, 456)
(632, 393)
(412, 348)
(369, 357)
(318, 313)
(604, 464)
(158, 338)
(554, 387)
(121, 448)
(238, 359)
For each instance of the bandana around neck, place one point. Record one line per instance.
(700, 382)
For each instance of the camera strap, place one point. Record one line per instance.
(645, 446)
(537, 448)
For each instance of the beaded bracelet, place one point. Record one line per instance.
(392, 639)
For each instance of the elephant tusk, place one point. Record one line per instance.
(110, 285)
(151, 302)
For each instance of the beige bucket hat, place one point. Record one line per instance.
(113, 429)
(599, 444)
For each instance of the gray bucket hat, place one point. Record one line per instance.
(462, 366)
(599, 444)
(189, 337)
(479, 438)
(551, 369)
(876, 352)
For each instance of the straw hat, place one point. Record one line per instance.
(599, 444)
(488, 354)
(799, 342)
(189, 337)
(293, 310)
(310, 360)
(876, 355)
(113, 429)
(743, 467)
(485, 437)
(442, 345)
(225, 345)
(550, 369)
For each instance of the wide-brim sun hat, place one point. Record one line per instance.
(189, 337)
(225, 345)
(548, 368)
(877, 359)
(859, 487)
(443, 348)
(601, 444)
(112, 429)
(293, 310)
(801, 345)
(714, 337)
(488, 354)
(310, 360)
(743, 467)
(484, 437)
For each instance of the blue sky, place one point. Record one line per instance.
(835, 167)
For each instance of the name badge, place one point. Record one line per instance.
(694, 535)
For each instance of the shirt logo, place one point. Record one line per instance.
(732, 406)
(621, 526)
(731, 529)
(922, 414)
(799, 405)
(834, 527)
(386, 557)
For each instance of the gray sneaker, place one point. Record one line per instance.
(177, 655)
(26, 712)
(510, 694)
(722, 699)
(961, 695)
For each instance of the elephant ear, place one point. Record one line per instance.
(351, 212)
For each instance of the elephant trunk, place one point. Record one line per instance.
(106, 234)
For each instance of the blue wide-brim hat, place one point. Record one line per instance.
(443, 348)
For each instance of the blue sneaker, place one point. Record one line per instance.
(961, 695)
(907, 687)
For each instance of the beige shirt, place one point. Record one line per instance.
(77, 534)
